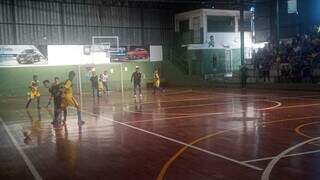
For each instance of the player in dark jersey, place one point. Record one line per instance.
(55, 90)
(52, 88)
(136, 78)
(94, 83)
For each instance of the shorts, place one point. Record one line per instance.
(33, 94)
(156, 83)
(69, 101)
(57, 102)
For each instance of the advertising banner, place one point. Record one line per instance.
(223, 41)
(21, 55)
(132, 53)
(68, 55)
(156, 53)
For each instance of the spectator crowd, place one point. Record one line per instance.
(297, 59)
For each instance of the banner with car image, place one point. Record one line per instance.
(132, 53)
(22, 55)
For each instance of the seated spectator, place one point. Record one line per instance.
(295, 61)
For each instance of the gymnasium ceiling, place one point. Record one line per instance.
(176, 5)
(180, 4)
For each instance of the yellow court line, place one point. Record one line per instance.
(297, 106)
(298, 131)
(166, 166)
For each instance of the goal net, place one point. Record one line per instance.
(102, 48)
(100, 51)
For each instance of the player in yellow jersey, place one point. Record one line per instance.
(34, 91)
(100, 85)
(156, 81)
(68, 98)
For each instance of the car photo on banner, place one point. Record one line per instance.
(131, 54)
(15, 55)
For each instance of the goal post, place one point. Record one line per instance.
(102, 48)
(100, 52)
(109, 43)
(115, 81)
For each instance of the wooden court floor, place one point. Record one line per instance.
(180, 134)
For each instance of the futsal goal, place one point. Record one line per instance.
(101, 51)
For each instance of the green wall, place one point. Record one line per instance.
(175, 77)
(201, 61)
(14, 81)
(236, 59)
(207, 57)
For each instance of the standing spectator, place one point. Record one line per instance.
(105, 79)
(94, 83)
(266, 72)
(244, 76)
(100, 86)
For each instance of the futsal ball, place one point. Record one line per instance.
(27, 133)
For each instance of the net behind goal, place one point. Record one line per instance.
(102, 48)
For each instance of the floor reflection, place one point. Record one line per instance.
(35, 130)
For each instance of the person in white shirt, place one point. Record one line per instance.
(105, 79)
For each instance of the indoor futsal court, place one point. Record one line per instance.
(182, 134)
(159, 90)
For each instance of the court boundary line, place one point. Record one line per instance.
(103, 117)
(179, 142)
(288, 155)
(266, 173)
(25, 158)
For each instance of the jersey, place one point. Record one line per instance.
(68, 99)
(54, 89)
(34, 89)
(105, 77)
(94, 81)
(136, 76)
(68, 91)
(156, 80)
(100, 85)
(35, 84)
